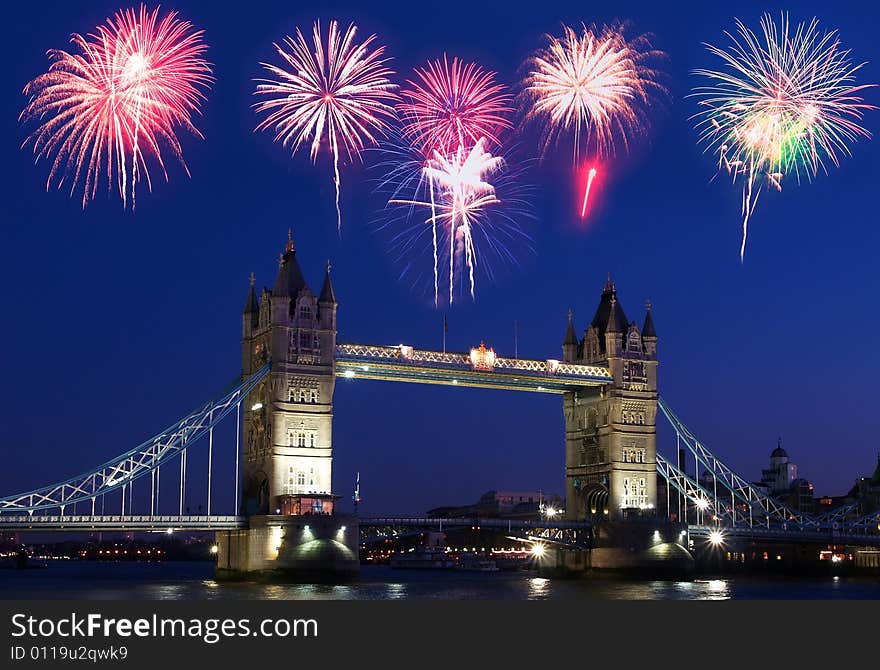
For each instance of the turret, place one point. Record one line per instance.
(613, 333)
(649, 335)
(327, 302)
(570, 344)
(250, 317)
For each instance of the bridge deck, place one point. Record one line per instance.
(481, 368)
(120, 523)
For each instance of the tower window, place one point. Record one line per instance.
(305, 312)
(305, 341)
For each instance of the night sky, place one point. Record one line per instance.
(117, 323)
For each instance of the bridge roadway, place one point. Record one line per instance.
(25, 522)
(481, 368)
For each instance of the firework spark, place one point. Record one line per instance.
(340, 93)
(590, 177)
(460, 193)
(447, 106)
(105, 110)
(785, 103)
(597, 84)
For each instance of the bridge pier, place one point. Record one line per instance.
(277, 547)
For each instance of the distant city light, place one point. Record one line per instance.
(538, 550)
(214, 548)
(169, 531)
(702, 503)
(551, 512)
(257, 406)
(716, 537)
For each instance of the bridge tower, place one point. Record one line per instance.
(287, 427)
(610, 432)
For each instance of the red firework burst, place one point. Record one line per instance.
(104, 111)
(452, 106)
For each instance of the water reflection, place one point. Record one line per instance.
(194, 581)
(539, 588)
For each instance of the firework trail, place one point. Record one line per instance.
(446, 107)
(590, 177)
(339, 93)
(445, 110)
(786, 102)
(104, 110)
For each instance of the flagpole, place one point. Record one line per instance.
(516, 339)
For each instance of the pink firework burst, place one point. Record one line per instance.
(338, 91)
(449, 106)
(103, 112)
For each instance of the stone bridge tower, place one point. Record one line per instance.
(610, 432)
(287, 422)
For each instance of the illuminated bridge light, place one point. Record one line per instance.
(349, 374)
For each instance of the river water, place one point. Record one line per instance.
(88, 580)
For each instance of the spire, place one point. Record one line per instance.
(612, 326)
(251, 306)
(290, 278)
(570, 337)
(648, 327)
(609, 286)
(327, 294)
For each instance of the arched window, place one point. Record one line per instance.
(305, 312)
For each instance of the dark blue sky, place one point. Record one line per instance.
(117, 323)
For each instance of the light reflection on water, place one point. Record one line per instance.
(194, 581)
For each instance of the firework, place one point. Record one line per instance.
(590, 177)
(104, 111)
(339, 93)
(448, 106)
(786, 102)
(596, 85)
(461, 194)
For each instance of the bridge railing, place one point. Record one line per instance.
(405, 354)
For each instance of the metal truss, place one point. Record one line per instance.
(706, 503)
(767, 509)
(350, 355)
(139, 462)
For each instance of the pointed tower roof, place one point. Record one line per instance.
(612, 325)
(327, 294)
(608, 304)
(570, 337)
(290, 280)
(648, 327)
(251, 306)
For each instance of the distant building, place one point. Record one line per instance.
(781, 474)
(501, 505)
(781, 481)
(867, 491)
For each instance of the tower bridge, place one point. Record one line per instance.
(283, 512)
